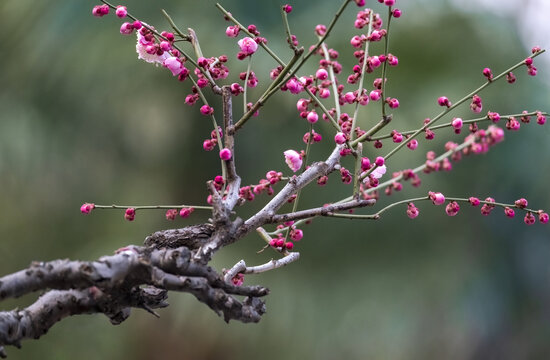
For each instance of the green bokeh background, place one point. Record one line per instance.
(82, 120)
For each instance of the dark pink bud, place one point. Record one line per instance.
(287, 8)
(171, 214)
(452, 208)
(130, 214)
(86, 208)
(413, 144)
(225, 154)
(543, 217)
(296, 234)
(444, 101)
(437, 198)
(365, 164)
(521, 203)
(509, 212)
(474, 201)
(529, 219)
(186, 212)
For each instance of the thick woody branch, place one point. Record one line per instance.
(135, 277)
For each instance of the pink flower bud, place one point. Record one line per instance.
(86, 208)
(437, 198)
(365, 164)
(321, 74)
(457, 123)
(444, 101)
(340, 138)
(130, 214)
(413, 144)
(320, 29)
(296, 234)
(521, 203)
(207, 110)
(509, 212)
(287, 8)
(121, 11)
(397, 13)
(225, 154)
(412, 211)
(379, 161)
(474, 201)
(543, 217)
(294, 86)
(529, 219)
(375, 95)
(289, 245)
(232, 31)
(397, 137)
(312, 117)
(293, 160)
(452, 208)
(186, 212)
(126, 28)
(171, 214)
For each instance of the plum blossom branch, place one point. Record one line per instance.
(241, 268)
(469, 121)
(384, 65)
(449, 108)
(362, 78)
(152, 207)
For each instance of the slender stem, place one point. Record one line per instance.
(333, 122)
(386, 46)
(469, 121)
(314, 49)
(444, 112)
(453, 106)
(214, 124)
(502, 205)
(174, 26)
(246, 84)
(287, 28)
(333, 82)
(393, 180)
(281, 79)
(357, 175)
(297, 199)
(273, 87)
(362, 79)
(152, 207)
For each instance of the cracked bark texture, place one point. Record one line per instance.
(134, 277)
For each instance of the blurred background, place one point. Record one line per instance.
(82, 120)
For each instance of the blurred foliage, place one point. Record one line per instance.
(82, 120)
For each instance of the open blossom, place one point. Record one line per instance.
(248, 45)
(293, 160)
(174, 65)
(378, 172)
